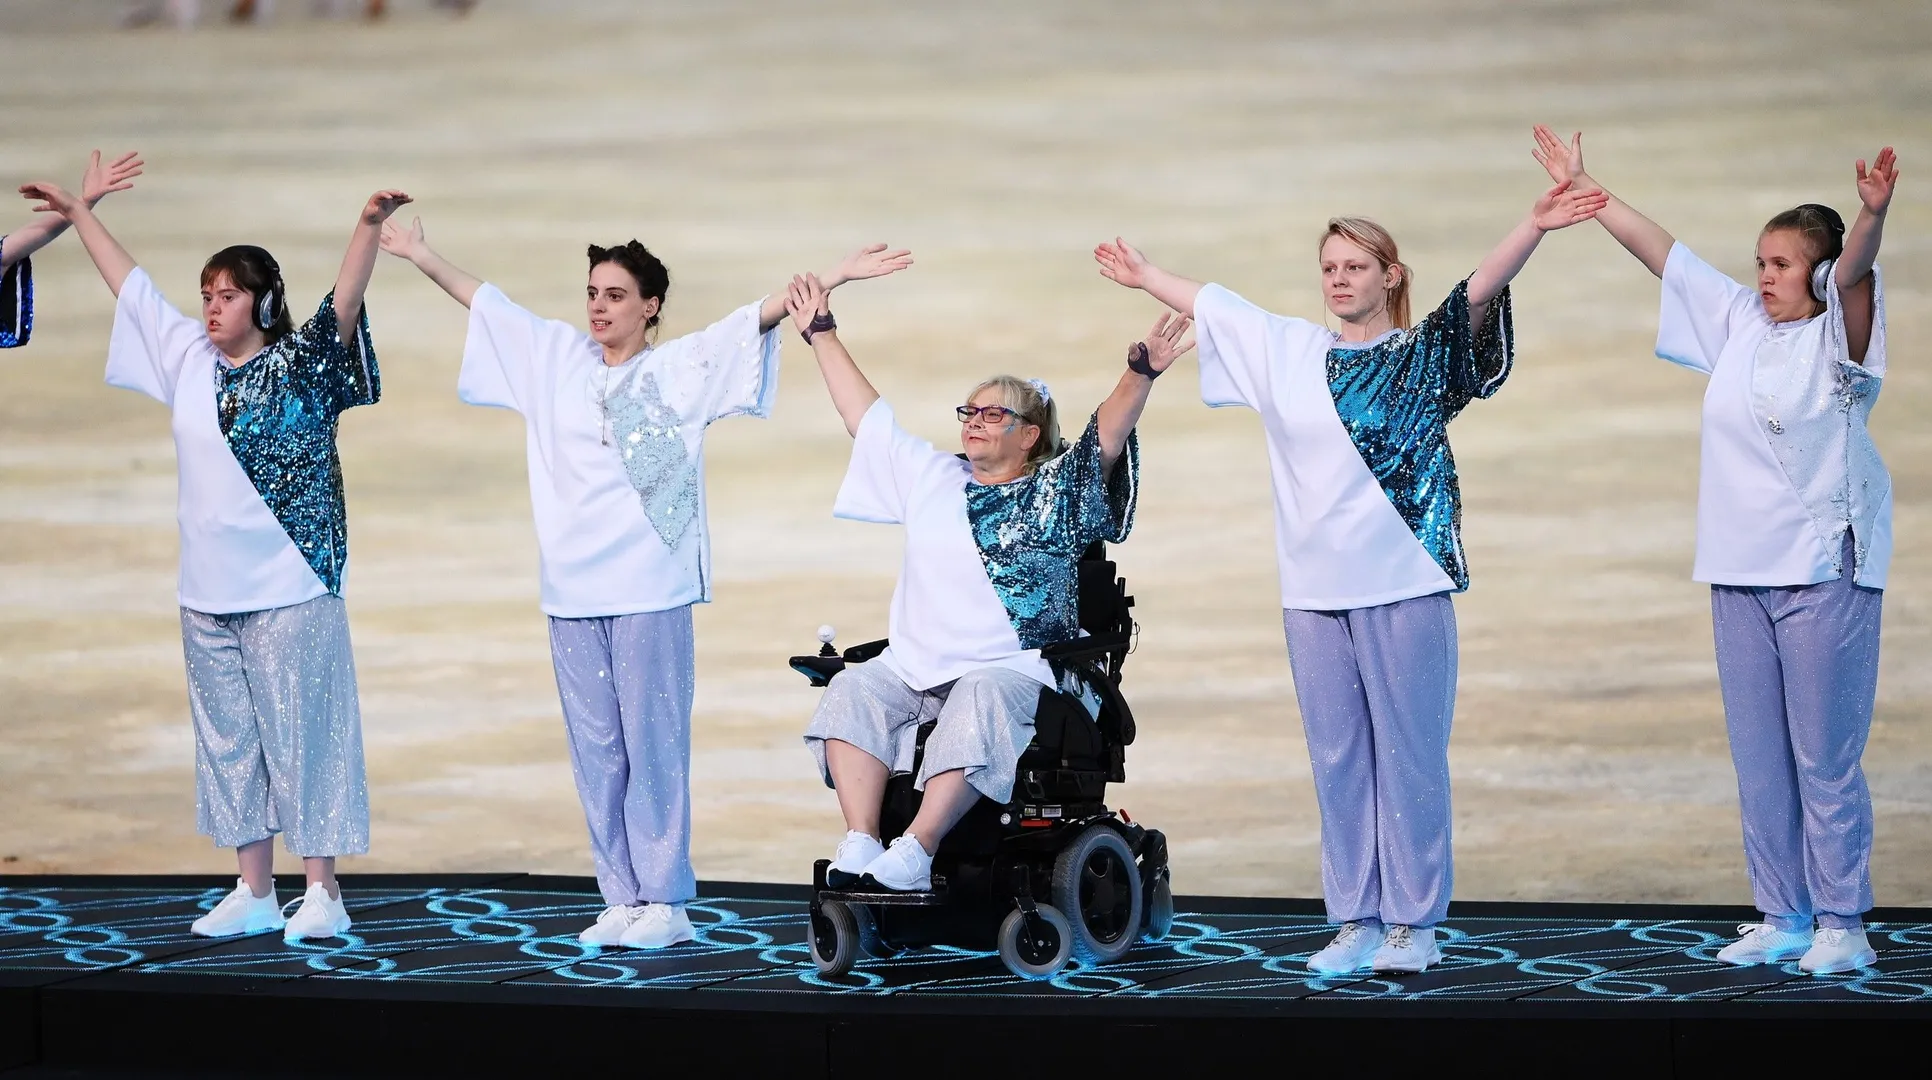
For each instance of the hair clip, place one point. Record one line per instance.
(1040, 387)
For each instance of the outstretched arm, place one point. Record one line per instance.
(360, 260)
(96, 183)
(1638, 234)
(410, 245)
(870, 261)
(1123, 263)
(1146, 359)
(1558, 208)
(1854, 270)
(110, 258)
(807, 298)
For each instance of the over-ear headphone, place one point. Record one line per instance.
(269, 306)
(1821, 270)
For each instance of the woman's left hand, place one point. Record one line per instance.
(1560, 207)
(54, 199)
(101, 179)
(870, 261)
(382, 204)
(1875, 185)
(806, 299)
(1167, 341)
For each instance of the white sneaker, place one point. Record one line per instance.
(320, 916)
(610, 926)
(1351, 949)
(1763, 943)
(241, 912)
(1408, 950)
(1835, 949)
(855, 853)
(660, 925)
(903, 867)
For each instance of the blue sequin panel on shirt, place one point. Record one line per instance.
(278, 412)
(16, 302)
(1032, 531)
(1396, 399)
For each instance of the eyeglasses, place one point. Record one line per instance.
(991, 414)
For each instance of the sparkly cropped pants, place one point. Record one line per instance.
(1799, 671)
(626, 682)
(278, 731)
(985, 722)
(1377, 690)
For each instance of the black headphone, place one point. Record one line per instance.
(1820, 271)
(269, 307)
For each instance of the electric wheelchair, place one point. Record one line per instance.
(1050, 876)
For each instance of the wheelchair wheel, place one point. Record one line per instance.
(1160, 908)
(837, 938)
(1097, 883)
(1040, 953)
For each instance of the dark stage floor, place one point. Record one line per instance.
(472, 972)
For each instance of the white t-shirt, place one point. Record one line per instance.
(1787, 463)
(946, 620)
(1340, 543)
(616, 455)
(235, 556)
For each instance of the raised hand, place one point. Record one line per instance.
(1875, 185)
(1167, 341)
(382, 204)
(871, 261)
(54, 199)
(1122, 263)
(118, 175)
(1562, 206)
(404, 243)
(806, 298)
(1562, 161)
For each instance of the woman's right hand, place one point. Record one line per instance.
(1121, 262)
(118, 175)
(1563, 161)
(806, 299)
(404, 243)
(54, 199)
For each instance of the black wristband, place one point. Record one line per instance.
(821, 322)
(1137, 361)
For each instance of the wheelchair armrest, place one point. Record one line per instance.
(859, 654)
(818, 669)
(1085, 647)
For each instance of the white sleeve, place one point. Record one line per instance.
(729, 368)
(506, 349)
(1701, 310)
(887, 463)
(1873, 362)
(150, 340)
(1238, 341)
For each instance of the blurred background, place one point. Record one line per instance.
(1000, 140)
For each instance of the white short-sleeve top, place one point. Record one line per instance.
(616, 454)
(1787, 463)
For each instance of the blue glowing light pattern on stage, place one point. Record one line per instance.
(491, 935)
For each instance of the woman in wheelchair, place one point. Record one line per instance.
(993, 539)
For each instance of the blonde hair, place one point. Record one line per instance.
(1025, 399)
(1374, 239)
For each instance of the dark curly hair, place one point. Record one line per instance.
(653, 279)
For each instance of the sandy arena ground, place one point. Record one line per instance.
(999, 140)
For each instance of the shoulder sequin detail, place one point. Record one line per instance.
(16, 303)
(1396, 399)
(278, 412)
(1032, 531)
(650, 439)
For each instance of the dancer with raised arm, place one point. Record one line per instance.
(614, 428)
(264, 544)
(1794, 536)
(17, 247)
(1368, 534)
(993, 544)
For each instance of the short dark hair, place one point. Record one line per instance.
(1823, 230)
(653, 279)
(255, 272)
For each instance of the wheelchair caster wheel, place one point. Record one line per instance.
(838, 936)
(1159, 908)
(1097, 884)
(1038, 952)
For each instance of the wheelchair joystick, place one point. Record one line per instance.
(825, 636)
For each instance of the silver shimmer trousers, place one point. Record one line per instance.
(278, 732)
(1799, 671)
(626, 682)
(1377, 690)
(985, 722)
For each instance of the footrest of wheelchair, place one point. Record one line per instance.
(885, 896)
